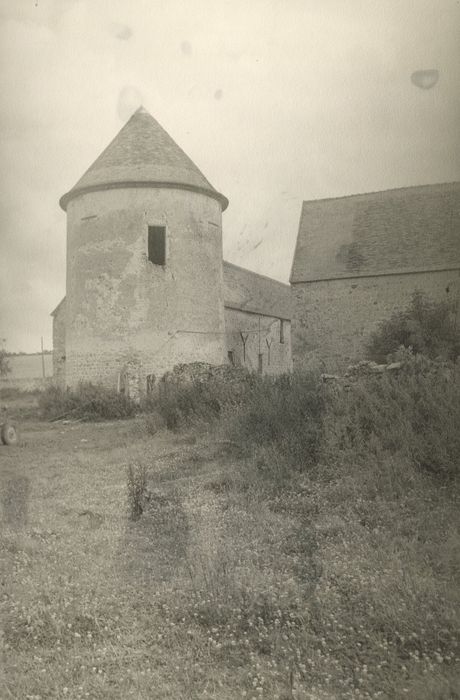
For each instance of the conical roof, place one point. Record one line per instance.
(143, 154)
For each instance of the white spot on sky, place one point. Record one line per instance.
(129, 99)
(122, 31)
(186, 48)
(218, 94)
(425, 79)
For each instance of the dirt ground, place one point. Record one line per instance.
(83, 587)
(217, 590)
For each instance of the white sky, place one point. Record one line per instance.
(276, 101)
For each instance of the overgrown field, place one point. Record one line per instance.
(299, 541)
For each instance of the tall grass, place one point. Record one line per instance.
(180, 404)
(412, 415)
(292, 423)
(86, 402)
(280, 424)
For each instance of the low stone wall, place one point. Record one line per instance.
(415, 363)
(365, 368)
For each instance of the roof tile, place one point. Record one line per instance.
(404, 230)
(143, 153)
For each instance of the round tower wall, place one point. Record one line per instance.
(126, 314)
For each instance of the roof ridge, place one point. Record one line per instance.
(390, 189)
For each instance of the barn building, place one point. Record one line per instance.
(360, 258)
(147, 287)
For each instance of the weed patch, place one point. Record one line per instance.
(394, 420)
(87, 402)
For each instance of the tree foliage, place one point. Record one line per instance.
(428, 327)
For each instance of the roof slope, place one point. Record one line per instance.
(143, 154)
(404, 230)
(248, 291)
(58, 307)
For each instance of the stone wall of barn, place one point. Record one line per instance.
(258, 342)
(333, 319)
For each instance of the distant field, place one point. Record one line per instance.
(29, 366)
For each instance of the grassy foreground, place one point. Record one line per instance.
(340, 584)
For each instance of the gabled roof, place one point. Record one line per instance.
(143, 154)
(248, 291)
(58, 307)
(412, 229)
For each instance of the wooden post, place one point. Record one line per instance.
(269, 344)
(243, 340)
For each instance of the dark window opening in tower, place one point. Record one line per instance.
(281, 331)
(231, 357)
(157, 245)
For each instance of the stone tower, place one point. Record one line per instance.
(144, 262)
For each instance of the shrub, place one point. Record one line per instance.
(412, 415)
(284, 412)
(392, 422)
(180, 403)
(8, 393)
(426, 326)
(87, 402)
(282, 418)
(55, 403)
(154, 422)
